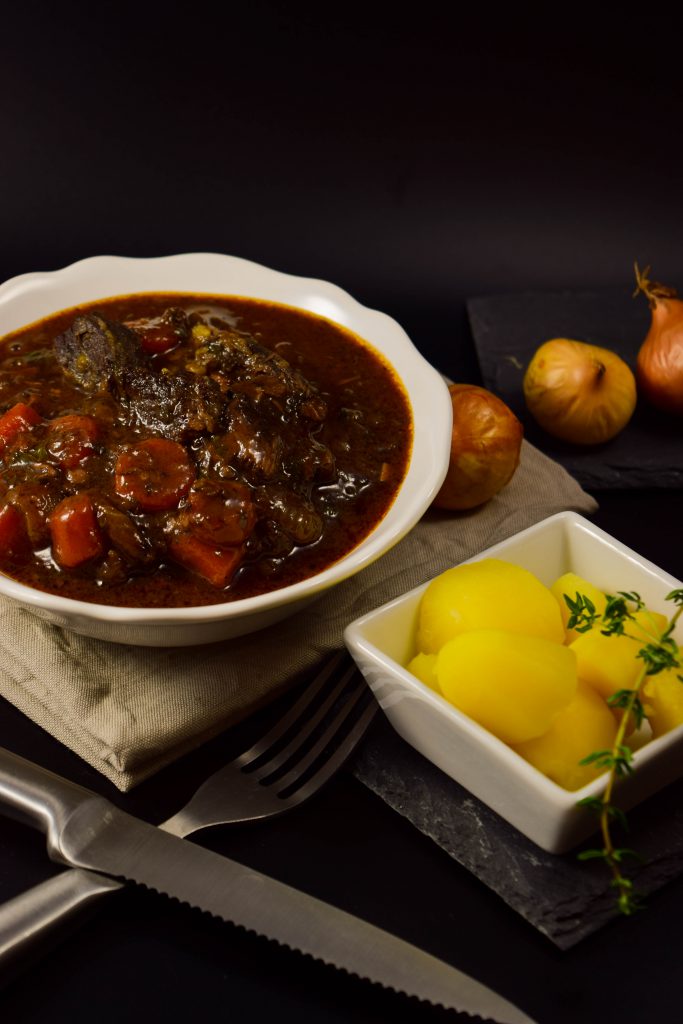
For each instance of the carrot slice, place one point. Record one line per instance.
(76, 537)
(154, 474)
(14, 539)
(216, 565)
(17, 419)
(71, 438)
(224, 516)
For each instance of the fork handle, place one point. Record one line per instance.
(39, 911)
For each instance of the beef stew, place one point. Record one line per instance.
(169, 450)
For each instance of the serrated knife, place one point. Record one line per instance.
(85, 830)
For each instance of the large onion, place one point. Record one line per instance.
(578, 392)
(485, 448)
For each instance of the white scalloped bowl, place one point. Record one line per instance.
(382, 642)
(31, 297)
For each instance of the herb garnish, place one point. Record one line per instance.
(659, 652)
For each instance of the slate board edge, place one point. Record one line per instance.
(583, 904)
(658, 475)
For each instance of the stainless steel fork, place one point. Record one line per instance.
(286, 766)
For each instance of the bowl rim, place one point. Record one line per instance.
(320, 297)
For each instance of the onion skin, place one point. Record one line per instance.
(578, 392)
(659, 367)
(485, 448)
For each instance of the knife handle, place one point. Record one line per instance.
(36, 796)
(35, 914)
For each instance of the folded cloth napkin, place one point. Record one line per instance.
(128, 711)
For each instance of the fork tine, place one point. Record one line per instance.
(305, 728)
(237, 794)
(332, 764)
(295, 713)
(334, 728)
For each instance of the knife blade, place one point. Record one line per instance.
(86, 830)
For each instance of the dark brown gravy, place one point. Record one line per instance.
(368, 429)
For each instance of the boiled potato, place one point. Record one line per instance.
(424, 667)
(663, 699)
(611, 663)
(488, 594)
(571, 584)
(645, 621)
(608, 663)
(647, 624)
(492, 639)
(585, 725)
(513, 685)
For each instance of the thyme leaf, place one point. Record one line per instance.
(582, 613)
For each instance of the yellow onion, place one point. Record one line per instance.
(659, 367)
(485, 448)
(578, 392)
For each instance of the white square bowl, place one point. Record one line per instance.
(382, 642)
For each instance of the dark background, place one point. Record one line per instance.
(413, 156)
(416, 157)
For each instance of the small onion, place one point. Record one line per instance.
(578, 392)
(485, 448)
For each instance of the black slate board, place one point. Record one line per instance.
(564, 898)
(507, 330)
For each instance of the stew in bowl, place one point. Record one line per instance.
(200, 451)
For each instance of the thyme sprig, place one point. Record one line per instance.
(658, 652)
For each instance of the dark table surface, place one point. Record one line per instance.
(150, 958)
(415, 160)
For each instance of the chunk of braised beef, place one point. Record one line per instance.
(14, 539)
(103, 407)
(245, 366)
(308, 459)
(123, 534)
(95, 352)
(292, 513)
(268, 547)
(35, 500)
(250, 444)
(178, 407)
(30, 465)
(113, 569)
(263, 448)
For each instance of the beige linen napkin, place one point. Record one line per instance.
(128, 711)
